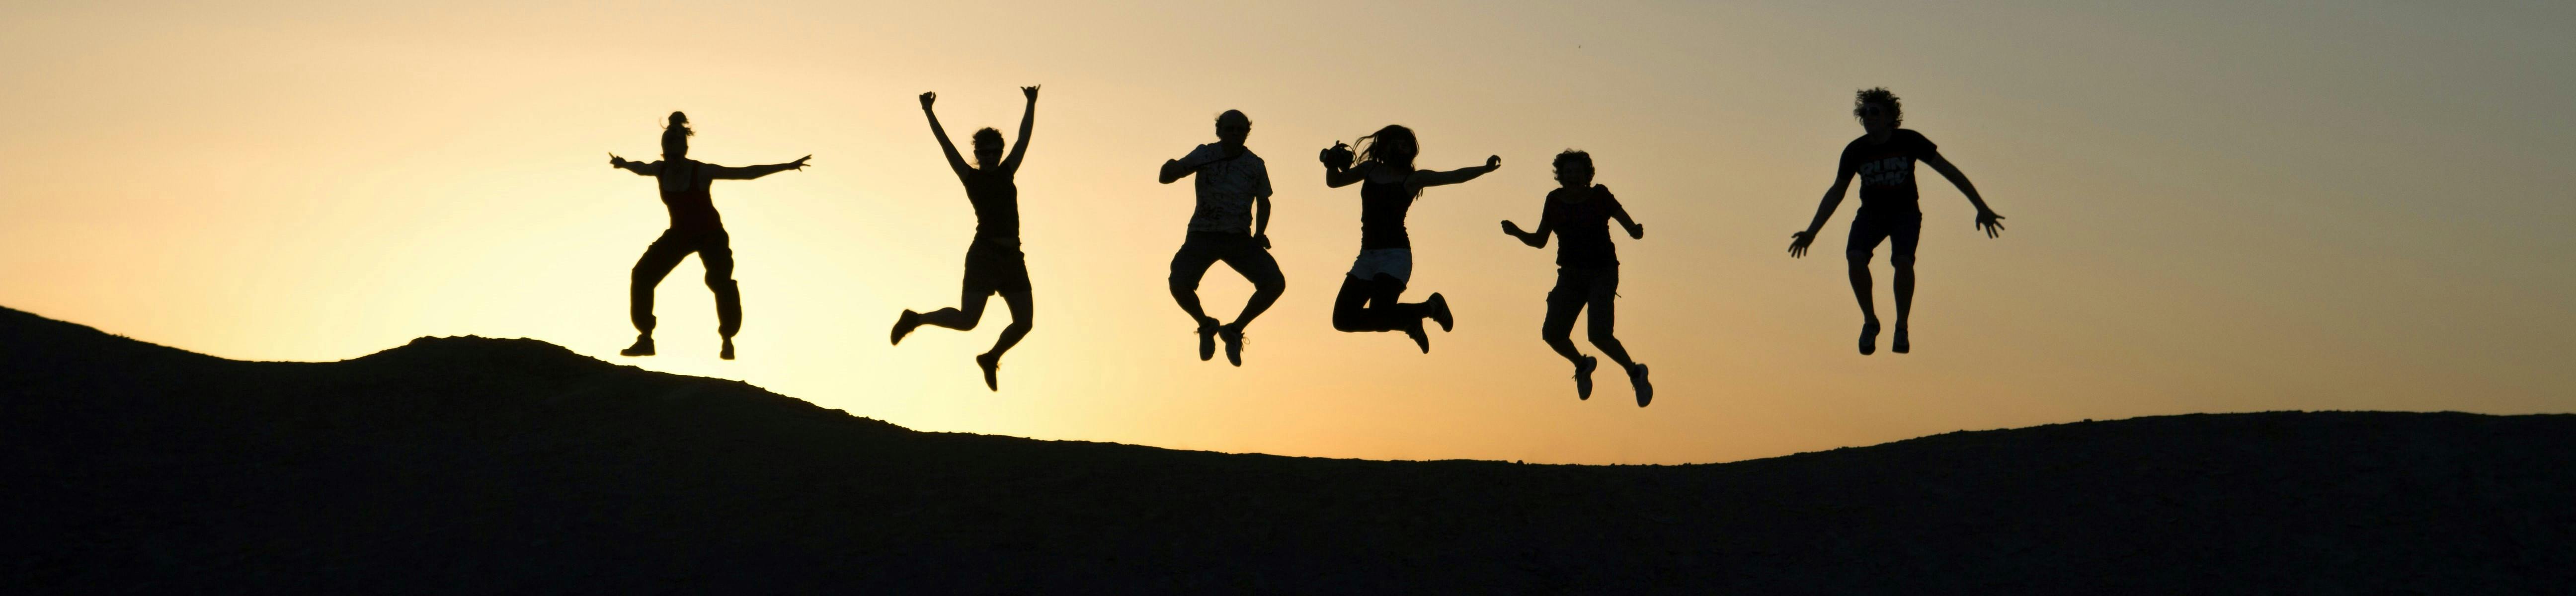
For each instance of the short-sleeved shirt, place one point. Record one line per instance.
(997, 203)
(1226, 187)
(1382, 209)
(1582, 228)
(1886, 170)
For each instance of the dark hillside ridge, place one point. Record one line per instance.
(471, 465)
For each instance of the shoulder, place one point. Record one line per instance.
(1909, 136)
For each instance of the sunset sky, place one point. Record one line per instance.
(2213, 207)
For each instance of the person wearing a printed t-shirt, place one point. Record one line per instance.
(1884, 159)
(1232, 182)
(994, 264)
(1587, 270)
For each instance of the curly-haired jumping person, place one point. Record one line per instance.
(1884, 160)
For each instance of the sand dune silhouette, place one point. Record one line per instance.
(470, 465)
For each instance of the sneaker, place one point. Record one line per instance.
(1900, 346)
(1207, 339)
(1233, 336)
(727, 353)
(905, 323)
(1439, 306)
(1645, 390)
(1419, 337)
(1583, 377)
(991, 363)
(643, 347)
(1869, 338)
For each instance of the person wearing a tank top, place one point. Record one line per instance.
(1388, 186)
(994, 264)
(1883, 158)
(1579, 212)
(695, 228)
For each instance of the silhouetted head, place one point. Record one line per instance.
(988, 147)
(1232, 127)
(675, 137)
(1574, 169)
(1878, 110)
(1393, 146)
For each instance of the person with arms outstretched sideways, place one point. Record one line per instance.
(1232, 184)
(1587, 270)
(1383, 167)
(695, 228)
(1883, 158)
(994, 264)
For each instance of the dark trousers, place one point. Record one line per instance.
(714, 250)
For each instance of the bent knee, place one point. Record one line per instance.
(1858, 256)
(1902, 261)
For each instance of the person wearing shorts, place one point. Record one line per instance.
(1383, 167)
(1883, 159)
(1233, 189)
(994, 264)
(1579, 213)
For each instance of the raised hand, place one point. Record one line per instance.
(1339, 156)
(616, 162)
(1493, 161)
(1637, 231)
(1798, 243)
(799, 164)
(927, 97)
(1990, 222)
(1512, 228)
(1030, 91)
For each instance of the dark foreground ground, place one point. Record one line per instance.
(482, 466)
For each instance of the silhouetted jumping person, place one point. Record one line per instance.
(1232, 183)
(1388, 187)
(1884, 160)
(1587, 270)
(695, 228)
(994, 263)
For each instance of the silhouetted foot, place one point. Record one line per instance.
(1645, 390)
(1207, 339)
(1900, 345)
(905, 323)
(1420, 338)
(727, 353)
(1233, 336)
(643, 347)
(1583, 377)
(1439, 311)
(1869, 338)
(991, 363)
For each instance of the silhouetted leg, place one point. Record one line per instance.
(1023, 317)
(970, 309)
(1188, 267)
(1258, 267)
(1350, 306)
(1604, 317)
(1866, 232)
(985, 270)
(717, 257)
(1900, 254)
(1557, 329)
(664, 254)
(1860, 283)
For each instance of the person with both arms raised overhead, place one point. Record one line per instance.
(1232, 184)
(1388, 187)
(1883, 158)
(1587, 270)
(994, 263)
(695, 228)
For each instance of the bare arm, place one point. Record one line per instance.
(1824, 211)
(640, 168)
(750, 172)
(1619, 211)
(1346, 176)
(1535, 238)
(1987, 220)
(955, 163)
(1173, 171)
(1028, 122)
(1422, 180)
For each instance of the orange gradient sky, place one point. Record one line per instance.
(2213, 207)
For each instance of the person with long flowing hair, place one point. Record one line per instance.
(1389, 184)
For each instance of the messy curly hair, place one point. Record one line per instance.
(1880, 96)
